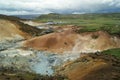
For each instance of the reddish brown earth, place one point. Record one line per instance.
(92, 67)
(67, 40)
(55, 42)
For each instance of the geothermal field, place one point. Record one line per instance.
(60, 47)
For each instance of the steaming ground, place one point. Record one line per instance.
(58, 50)
(44, 61)
(32, 60)
(68, 41)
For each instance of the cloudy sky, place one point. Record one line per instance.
(11, 7)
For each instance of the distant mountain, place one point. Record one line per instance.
(81, 16)
(31, 16)
(6, 17)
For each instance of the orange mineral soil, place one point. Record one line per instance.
(69, 41)
(92, 67)
(9, 30)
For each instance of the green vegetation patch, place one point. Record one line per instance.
(109, 22)
(115, 52)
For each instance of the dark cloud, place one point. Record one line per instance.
(58, 6)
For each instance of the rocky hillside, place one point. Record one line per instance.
(68, 41)
(12, 30)
(96, 66)
(16, 22)
(9, 30)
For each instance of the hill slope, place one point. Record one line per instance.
(92, 67)
(72, 42)
(12, 30)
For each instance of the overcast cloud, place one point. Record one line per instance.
(58, 6)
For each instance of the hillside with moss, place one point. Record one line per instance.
(90, 22)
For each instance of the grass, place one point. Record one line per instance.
(109, 22)
(115, 52)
